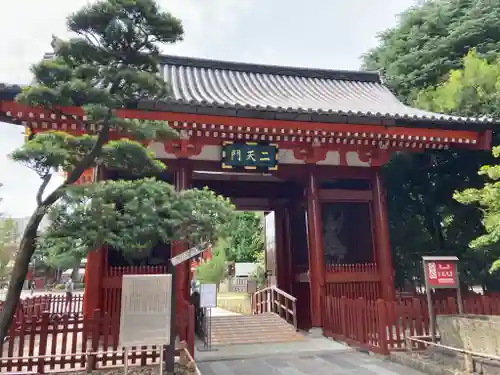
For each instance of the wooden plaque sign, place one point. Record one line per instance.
(249, 155)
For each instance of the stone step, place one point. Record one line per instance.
(252, 329)
(249, 323)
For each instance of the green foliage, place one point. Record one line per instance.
(245, 237)
(488, 198)
(132, 217)
(259, 274)
(422, 61)
(52, 150)
(472, 90)
(431, 39)
(8, 232)
(111, 62)
(214, 270)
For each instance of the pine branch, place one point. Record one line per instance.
(88, 159)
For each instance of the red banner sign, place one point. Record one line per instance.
(441, 274)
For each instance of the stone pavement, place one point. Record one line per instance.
(340, 362)
(217, 312)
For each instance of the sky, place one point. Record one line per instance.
(329, 34)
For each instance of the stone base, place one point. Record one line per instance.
(315, 333)
(425, 365)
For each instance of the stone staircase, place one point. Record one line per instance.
(252, 329)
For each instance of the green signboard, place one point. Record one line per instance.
(249, 155)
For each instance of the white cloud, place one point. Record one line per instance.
(314, 33)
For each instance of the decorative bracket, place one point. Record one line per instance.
(377, 156)
(310, 155)
(183, 148)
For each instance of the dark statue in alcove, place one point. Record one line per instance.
(334, 249)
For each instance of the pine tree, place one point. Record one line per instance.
(111, 63)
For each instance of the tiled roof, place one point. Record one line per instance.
(286, 93)
(290, 93)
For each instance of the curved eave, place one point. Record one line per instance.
(338, 117)
(9, 92)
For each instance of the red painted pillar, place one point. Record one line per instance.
(94, 274)
(383, 245)
(290, 264)
(182, 181)
(316, 254)
(94, 269)
(281, 269)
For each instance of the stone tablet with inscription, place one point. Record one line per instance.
(145, 310)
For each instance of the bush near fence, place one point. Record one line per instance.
(61, 338)
(383, 326)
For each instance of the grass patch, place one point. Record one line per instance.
(235, 302)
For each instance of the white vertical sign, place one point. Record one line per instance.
(145, 310)
(208, 295)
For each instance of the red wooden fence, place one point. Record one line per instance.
(32, 307)
(48, 341)
(381, 326)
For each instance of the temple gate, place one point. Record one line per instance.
(307, 144)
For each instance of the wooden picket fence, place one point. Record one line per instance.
(53, 303)
(49, 341)
(383, 326)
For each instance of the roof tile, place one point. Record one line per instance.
(291, 90)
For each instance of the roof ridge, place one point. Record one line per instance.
(341, 75)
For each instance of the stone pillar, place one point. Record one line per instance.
(182, 181)
(316, 254)
(383, 245)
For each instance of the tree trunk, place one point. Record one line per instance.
(75, 273)
(19, 271)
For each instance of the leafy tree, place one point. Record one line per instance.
(469, 91)
(431, 39)
(111, 63)
(259, 275)
(488, 198)
(8, 231)
(419, 59)
(214, 270)
(245, 237)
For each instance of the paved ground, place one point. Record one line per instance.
(345, 362)
(217, 311)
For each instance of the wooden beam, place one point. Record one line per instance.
(351, 277)
(344, 195)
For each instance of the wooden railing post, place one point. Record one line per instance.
(190, 333)
(295, 324)
(343, 317)
(95, 337)
(451, 306)
(273, 301)
(381, 311)
(486, 305)
(42, 348)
